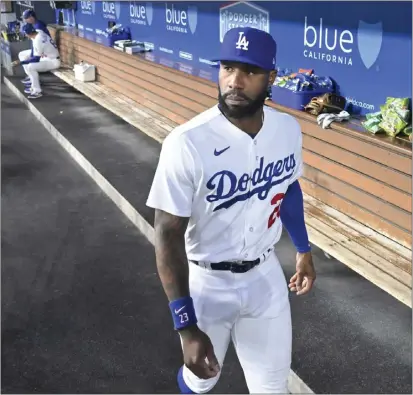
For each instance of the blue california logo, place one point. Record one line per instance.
(141, 13)
(242, 14)
(180, 17)
(111, 9)
(88, 7)
(228, 187)
(369, 40)
(333, 45)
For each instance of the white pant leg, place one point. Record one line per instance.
(216, 306)
(220, 337)
(262, 335)
(33, 70)
(264, 351)
(22, 56)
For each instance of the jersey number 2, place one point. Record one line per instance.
(276, 200)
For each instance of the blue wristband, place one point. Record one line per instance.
(183, 312)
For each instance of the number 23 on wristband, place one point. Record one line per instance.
(184, 318)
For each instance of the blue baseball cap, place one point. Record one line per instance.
(28, 29)
(28, 13)
(248, 45)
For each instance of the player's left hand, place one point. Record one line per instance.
(15, 63)
(303, 279)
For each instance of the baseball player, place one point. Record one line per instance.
(226, 182)
(45, 58)
(29, 16)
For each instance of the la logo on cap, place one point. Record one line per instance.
(242, 42)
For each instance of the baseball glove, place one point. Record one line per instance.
(326, 103)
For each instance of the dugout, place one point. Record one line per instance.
(358, 185)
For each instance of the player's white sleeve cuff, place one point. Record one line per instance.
(168, 209)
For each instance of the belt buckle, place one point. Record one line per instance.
(239, 267)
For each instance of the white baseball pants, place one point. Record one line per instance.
(253, 310)
(33, 70)
(23, 55)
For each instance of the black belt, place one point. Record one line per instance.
(234, 267)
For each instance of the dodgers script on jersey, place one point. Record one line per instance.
(44, 46)
(229, 184)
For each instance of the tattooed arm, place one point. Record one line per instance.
(172, 264)
(171, 259)
(171, 196)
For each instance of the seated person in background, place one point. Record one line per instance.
(45, 58)
(29, 16)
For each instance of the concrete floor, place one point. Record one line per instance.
(82, 307)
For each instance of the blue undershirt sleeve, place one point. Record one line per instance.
(292, 217)
(33, 59)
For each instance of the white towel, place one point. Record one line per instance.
(325, 120)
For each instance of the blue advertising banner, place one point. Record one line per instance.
(68, 17)
(94, 17)
(179, 34)
(364, 46)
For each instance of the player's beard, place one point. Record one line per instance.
(244, 110)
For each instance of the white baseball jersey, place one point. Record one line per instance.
(230, 184)
(44, 46)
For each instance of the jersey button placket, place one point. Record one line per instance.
(253, 166)
(254, 199)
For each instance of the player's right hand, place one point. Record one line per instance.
(199, 356)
